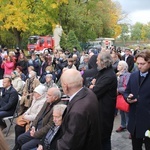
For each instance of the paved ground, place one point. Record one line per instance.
(120, 141)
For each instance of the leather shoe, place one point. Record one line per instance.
(120, 129)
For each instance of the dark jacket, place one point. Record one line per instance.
(139, 113)
(80, 126)
(43, 68)
(47, 120)
(51, 145)
(1, 69)
(24, 65)
(90, 73)
(129, 61)
(9, 100)
(106, 91)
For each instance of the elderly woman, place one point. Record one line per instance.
(31, 83)
(49, 81)
(17, 82)
(49, 141)
(123, 77)
(22, 122)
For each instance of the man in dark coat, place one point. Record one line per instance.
(8, 101)
(138, 96)
(80, 126)
(42, 122)
(105, 88)
(129, 59)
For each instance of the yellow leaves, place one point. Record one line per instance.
(117, 29)
(54, 5)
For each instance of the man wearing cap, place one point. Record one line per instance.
(129, 59)
(39, 98)
(42, 122)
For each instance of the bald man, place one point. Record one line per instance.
(80, 125)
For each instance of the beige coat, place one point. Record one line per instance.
(35, 108)
(26, 99)
(18, 84)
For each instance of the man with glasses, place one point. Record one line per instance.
(138, 96)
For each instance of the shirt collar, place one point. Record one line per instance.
(71, 97)
(143, 74)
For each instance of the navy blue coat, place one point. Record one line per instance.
(9, 100)
(139, 114)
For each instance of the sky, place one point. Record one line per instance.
(137, 10)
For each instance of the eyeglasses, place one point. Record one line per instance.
(141, 64)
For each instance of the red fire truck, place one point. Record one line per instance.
(39, 44)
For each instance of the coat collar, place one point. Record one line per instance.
(82, 93)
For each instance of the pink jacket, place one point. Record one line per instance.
(8, 67)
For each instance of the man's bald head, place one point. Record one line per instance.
(72, 79)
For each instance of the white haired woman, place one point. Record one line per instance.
(123, 77)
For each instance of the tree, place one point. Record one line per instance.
(63, 41)
(90, 19)
(124, 36)
(145, 33)
(72, 41)
(136, 31)
(33, 16)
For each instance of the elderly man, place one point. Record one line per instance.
(105, 88)
(80, 126)
(42, 122)
(49, 141)
(8, 101)
(138, 96)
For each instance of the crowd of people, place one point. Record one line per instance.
(90, 82)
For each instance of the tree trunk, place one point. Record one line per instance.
(17, 35)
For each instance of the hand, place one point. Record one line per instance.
(130, 99)
(91, 86)
(93, 81)
(32, 131)
(40, 147)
